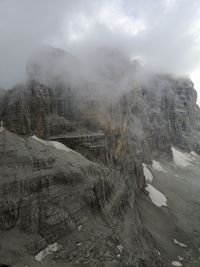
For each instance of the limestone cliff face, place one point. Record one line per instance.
(59, 196)
(142, 125)
(157, 115)
(39, 109)
(179, 108)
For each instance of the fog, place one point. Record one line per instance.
(162, 34)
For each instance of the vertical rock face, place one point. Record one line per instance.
(17, 111)
(39, 109)
(143, 124)
(180, 111)
(157, 115)
(60, 196)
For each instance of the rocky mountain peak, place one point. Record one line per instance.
(73, 166)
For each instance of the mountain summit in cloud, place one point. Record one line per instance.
(99, 133)
(164, 34)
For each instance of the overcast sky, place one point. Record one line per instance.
(164, 34)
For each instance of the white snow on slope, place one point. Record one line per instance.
(59, 146)
(54, 144)
(147, 174)
(176, 263)
(47, 251)
(180, 258)
(181, 158)
(40, 140)
(158, 252)
(156, 196)
(179, 243)
(120, 248)
(157, 166)
(194, 154)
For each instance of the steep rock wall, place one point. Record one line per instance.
(47, 192)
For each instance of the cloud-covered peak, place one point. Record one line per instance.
(163, 34)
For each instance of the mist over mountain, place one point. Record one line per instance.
(99, 133)
(162, 34)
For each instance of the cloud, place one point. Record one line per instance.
(164, 33)
(25, 25)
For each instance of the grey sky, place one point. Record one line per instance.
(165, 34)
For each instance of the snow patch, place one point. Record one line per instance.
(158, 252)
(120, 248)
(80, 227)
(54, 144)
(194, 154)
(157, 166)
(158, 198)
(180, 258)
(40, 140)
(59, 146)
(147, 174)
(47, 251)
(179, 243)
(181, 158)
(176, 263)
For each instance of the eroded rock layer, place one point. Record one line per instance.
(87, 207)
(59, 196)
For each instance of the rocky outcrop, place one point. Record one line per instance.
(59, 196)
(142, 125)
(179, 108)
(157, 115)
(38, 109)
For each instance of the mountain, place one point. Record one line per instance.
(75, 168)
(52, 194)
